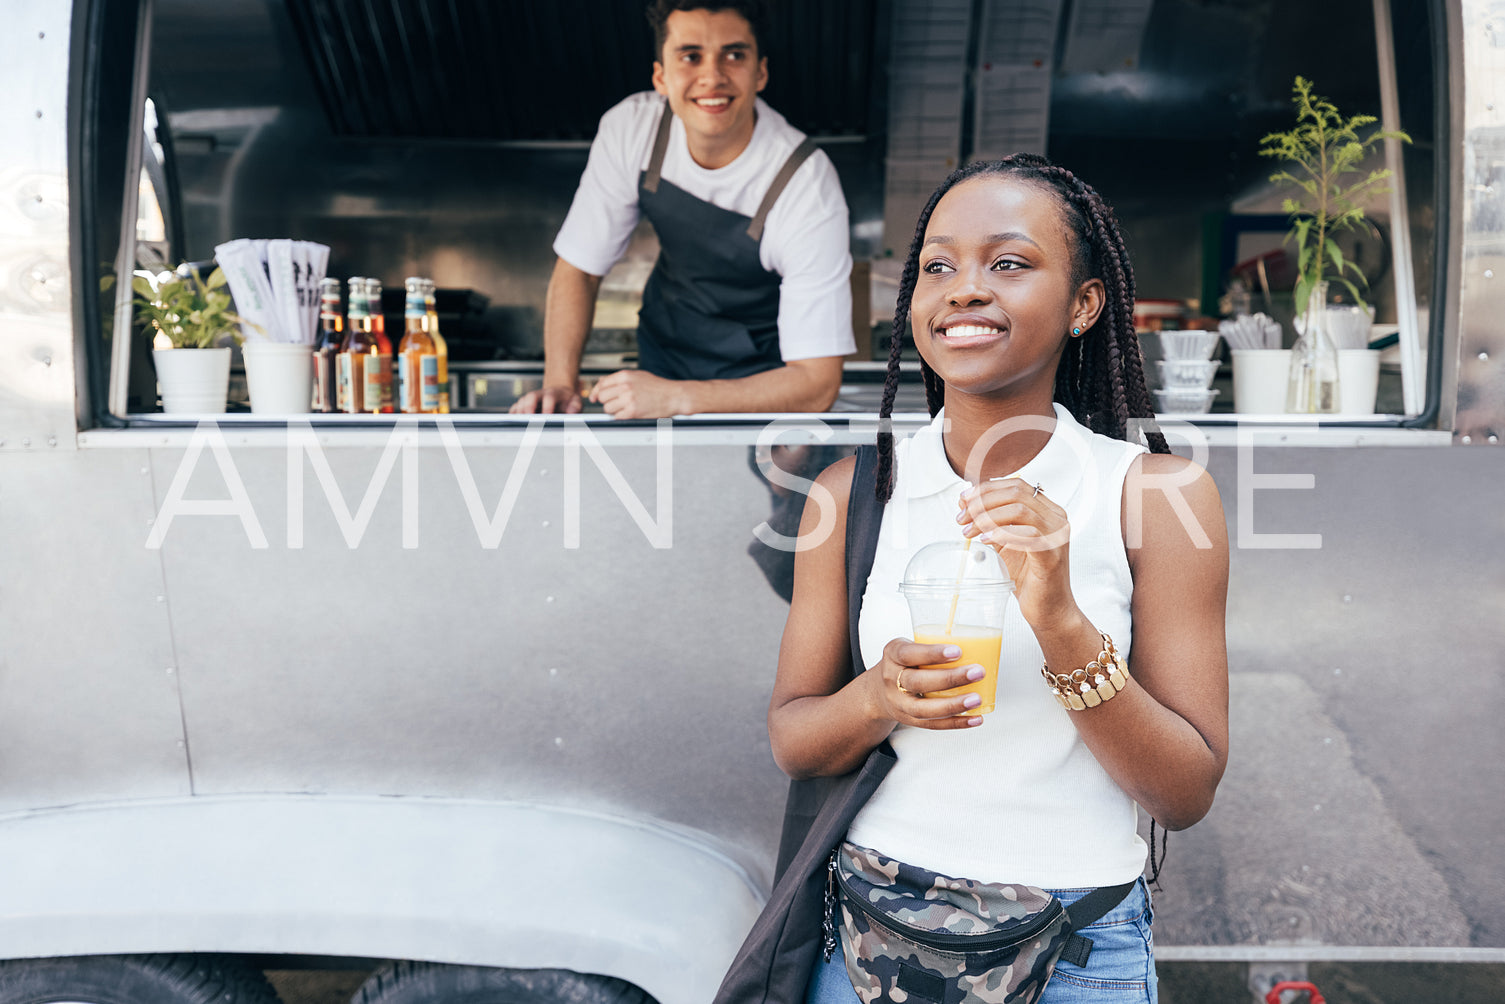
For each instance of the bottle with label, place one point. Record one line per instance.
(378, 368)
(440, 348)
(353, 349)
(327, 348)
(365, 356)
(417, 362)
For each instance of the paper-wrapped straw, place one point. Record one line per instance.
(275, 284)
(1251, 331)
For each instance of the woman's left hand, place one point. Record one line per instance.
(1031, 535)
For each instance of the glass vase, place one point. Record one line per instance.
(1313, 384)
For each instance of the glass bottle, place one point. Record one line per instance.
(327, 347)
(378, 361)
(417, 362)
(1313, 384)
(441, 348)
(353, 350)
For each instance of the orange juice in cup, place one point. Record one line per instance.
(978, 644)
(957, 595)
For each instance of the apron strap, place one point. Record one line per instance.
(780, 181)
(660, 146)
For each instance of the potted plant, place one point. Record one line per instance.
(190, 316)
(1326, 156)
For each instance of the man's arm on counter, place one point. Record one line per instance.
(569, 307)
(800, 385)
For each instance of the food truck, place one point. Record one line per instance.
(475, 699)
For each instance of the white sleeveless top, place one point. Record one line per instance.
(1018, 798)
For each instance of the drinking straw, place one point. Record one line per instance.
(956, 594)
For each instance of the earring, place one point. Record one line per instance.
(1076, 331)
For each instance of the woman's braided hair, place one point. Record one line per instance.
(1101, 376)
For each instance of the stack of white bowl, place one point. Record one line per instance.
(1186, 372)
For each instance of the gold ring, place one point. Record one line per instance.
(900, 683)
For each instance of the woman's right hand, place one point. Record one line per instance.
(903, 688)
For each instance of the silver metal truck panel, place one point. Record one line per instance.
(36, 321)
(89, 701)
(1480, 362)
(478, 883)
(492, 659)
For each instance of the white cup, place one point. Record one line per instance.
(1260, 378)
(279, 377)
(1358, 380)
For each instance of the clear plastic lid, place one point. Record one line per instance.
(952, 564)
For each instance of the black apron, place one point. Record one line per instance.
(710, 309)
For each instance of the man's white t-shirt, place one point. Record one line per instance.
(805, 239)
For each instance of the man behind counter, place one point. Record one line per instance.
(748, 307)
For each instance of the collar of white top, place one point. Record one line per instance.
(1058, 467)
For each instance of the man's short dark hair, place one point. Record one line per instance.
(752, 11)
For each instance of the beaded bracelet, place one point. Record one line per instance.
(1098, 681)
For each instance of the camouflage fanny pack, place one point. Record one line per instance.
(912, 934)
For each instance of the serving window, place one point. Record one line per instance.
(329, 121)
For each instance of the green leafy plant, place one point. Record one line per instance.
(1324, 152)
(186, 311)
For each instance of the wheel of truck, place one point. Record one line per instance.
(133, 979)
(429, 983)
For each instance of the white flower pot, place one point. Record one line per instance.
(193, 381)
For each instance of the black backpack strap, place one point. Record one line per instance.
(1087, 910)
(775, 961)
(864, 517)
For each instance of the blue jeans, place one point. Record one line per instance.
(1121, 969)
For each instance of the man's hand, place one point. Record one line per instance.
(640, 394)
(568, 307)
(549, 401)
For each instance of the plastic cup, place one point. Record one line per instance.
(279, 376)
(1188, 344)
(957, 596)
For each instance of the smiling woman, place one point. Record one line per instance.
(1019, 296)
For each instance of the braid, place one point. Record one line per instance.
(934, 387)
(884, 486)
(1109, 389)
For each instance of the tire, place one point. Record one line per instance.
(429, 983)
(133, 979)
